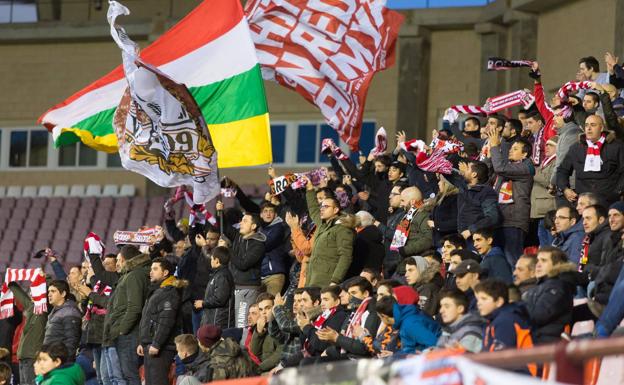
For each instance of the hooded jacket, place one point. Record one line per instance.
(332, 250)
(428, 287)
(417, 330)
(550, 303)
(68, 374)
(275, 259)
(218, 302)
(158, 325)
(495, 265)
(570, 241)
(520, 174)
(64, 326)
(467, 331)
(606, 183)
(126, 302)
(508, 327)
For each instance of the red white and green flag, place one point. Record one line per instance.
(211, 52)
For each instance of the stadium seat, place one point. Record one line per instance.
(29, 191)
(110, 190)
(611, 371)
(45, 191)
(14, 191)
(77, 190)
(127, 190)
(94, 190)
(39, 202)
(61, 190)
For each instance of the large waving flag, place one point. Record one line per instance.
(327, 51)
(211, 52)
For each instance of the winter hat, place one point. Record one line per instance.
(421, 263)
(406, 295)
(553, 140)
(619, 206)
(208, 335)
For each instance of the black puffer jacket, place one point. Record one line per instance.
(368, 251)
(606, 183)
(247, 255)
(599, 243)
(158, 325)
(64, 325)
(218, 302)
(550, 303)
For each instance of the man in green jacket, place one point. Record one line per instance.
(32, 335)
(121, 324)
(265, 347)
(418, 234)
(332, 250)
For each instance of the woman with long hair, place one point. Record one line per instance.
(443, 218)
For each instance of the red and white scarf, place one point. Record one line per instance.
(328, 144)
(92, 308)
(199, 213)
(437, 163)
(402, 230)
(499, 64)
(38, 290)
(505, 193)
(492, 105)
(571, 87)
(537, 147)
(321, 319)
(549, 160)
(356, 319)
(93, 245)
(592, 159)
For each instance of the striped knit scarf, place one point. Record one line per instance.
(402, 230)
(492, 105)
(328, 146)
(381, 142)
(537, 147)
(93, 245)
(38, 290)
(592, 159)
(571, 87)
(356, 319)
(584, 253)
(100, 289)
(198, 213)
(499, 63)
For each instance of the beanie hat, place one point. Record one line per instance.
(421, 263)
(406, 295)
(208, 335)
(619, 206)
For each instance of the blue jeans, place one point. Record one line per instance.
(545, 238)
(196, 316)
(110, 365)
(102, 375)
(514, 244)
(128, 357)
(613, 313)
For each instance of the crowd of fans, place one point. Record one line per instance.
(383, 258)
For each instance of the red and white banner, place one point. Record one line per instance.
(327, 51)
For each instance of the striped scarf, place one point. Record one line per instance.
(592, 159)
(572, 87)
(402, 230)
(93, 245)
(356, 319)
(492, 105)
(381, 142)
(38, 290)
(198, 213)
(499, 63)
(100, 289)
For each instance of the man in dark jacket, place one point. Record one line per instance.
(218, 302)
(598, 169)
(247, 251)
(461, 327)
(514, 180)
(396, 213)
(275, 262)
(569, 237)
(64, 321)
(550, 303)
(493, 263)
(121, 324)
(596, 240)
(197, 287)
(31, 337)
(158, 322)
(368, 249)
(611, 263)
(477, 203)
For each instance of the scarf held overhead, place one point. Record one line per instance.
(38, 290)
(492, 105)
(499, 64)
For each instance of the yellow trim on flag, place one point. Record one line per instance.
(245, 142)
(105, 143)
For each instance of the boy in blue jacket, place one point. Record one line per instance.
(417, 330)
(508, 324)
